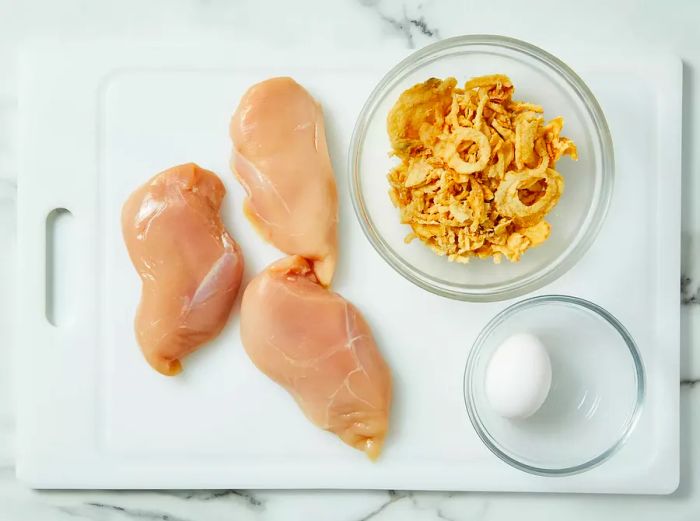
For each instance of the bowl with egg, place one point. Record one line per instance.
(535, 391)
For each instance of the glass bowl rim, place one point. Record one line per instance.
(551, 271)
(640, 376)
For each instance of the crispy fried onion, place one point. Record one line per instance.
(508, 199)
(477, 174)
(450, 150)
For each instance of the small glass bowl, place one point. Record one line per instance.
(538, 77)
(597, 390)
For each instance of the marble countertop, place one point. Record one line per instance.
(365, 24)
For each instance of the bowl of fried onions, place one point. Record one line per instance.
(481, 168)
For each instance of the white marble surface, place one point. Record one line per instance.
(365, 24)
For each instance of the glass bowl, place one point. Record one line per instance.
(596, 394)
(538, 77)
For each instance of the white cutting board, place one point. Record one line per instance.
(97, 122)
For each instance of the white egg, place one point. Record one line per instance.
(518, 376)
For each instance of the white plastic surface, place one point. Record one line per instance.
(8, 241)
(97, 122)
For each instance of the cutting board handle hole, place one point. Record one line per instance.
(60, 266)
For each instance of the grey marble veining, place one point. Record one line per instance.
(247, 497)
(106, 511)
(407, 21)
(690, 292)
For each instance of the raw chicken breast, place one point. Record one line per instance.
(280, 157)
(319, 348)
(190, 266)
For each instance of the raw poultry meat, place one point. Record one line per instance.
(281, 158)
(317, 345)
(189, 265)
